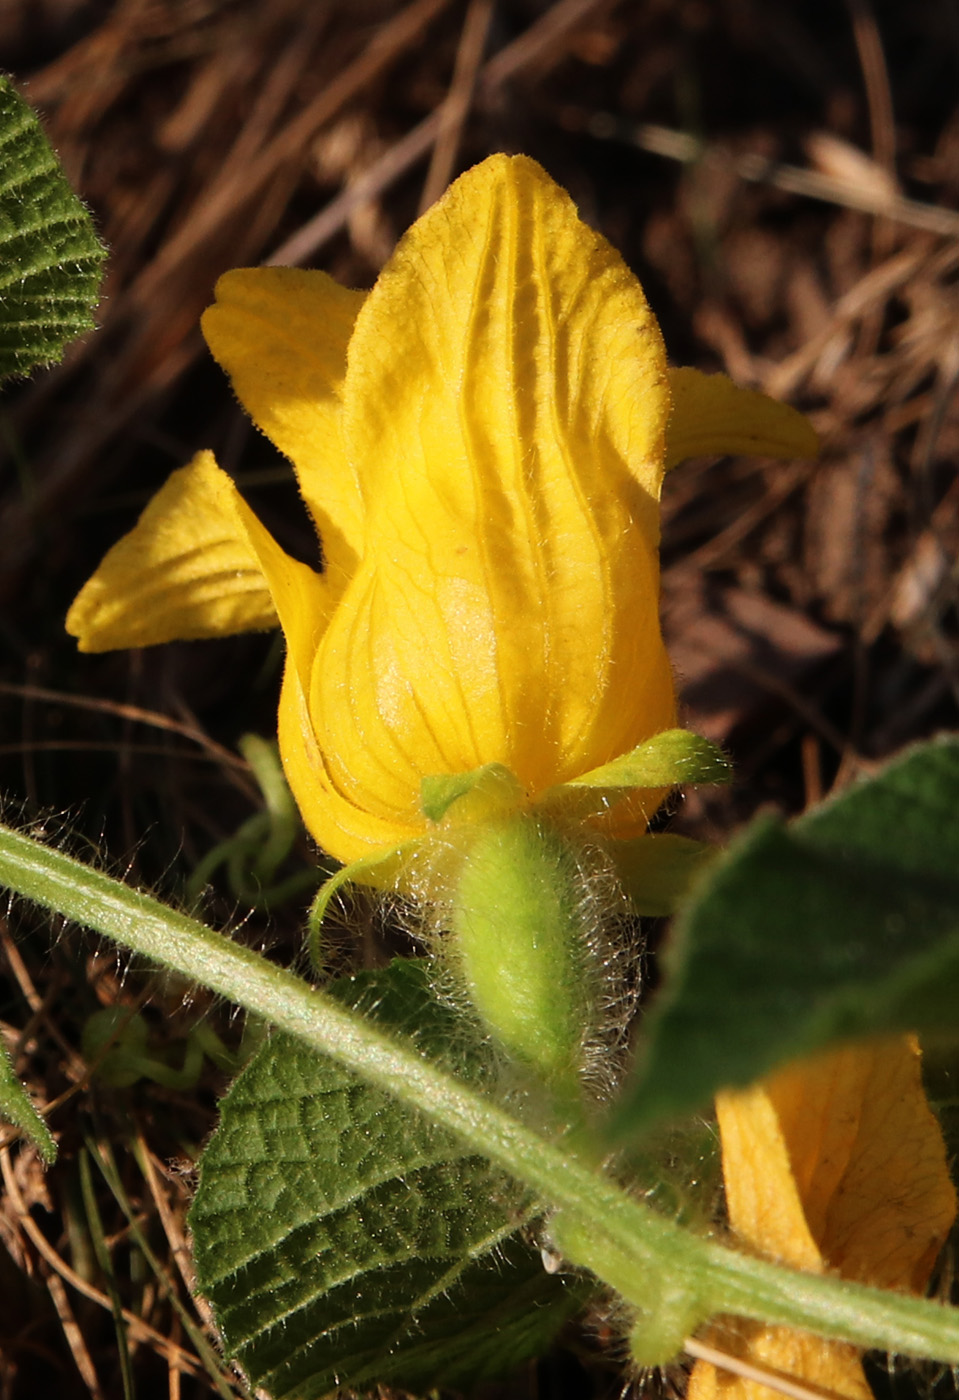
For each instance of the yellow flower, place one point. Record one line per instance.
(481, 442)
(834, 1162)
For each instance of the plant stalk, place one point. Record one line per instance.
(624, 1242)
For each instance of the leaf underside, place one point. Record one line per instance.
(50, 256)
(843, 924)
(344, 1241)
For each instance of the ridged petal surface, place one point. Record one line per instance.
(506, 395)
(281, 334)
(868, 1158)
(186, 570)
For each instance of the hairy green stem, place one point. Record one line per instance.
(672, 1275)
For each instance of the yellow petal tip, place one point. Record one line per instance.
(713, 416)
(185, 571)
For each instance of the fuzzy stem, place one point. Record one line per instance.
(624, 1242)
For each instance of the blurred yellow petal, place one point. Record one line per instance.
(762, 1195)
(869, 1161)
(834, 1162)
(281, 334)
(832, 1367)
(507, 393)
(186, 570)
(712, 415)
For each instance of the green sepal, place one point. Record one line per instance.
(657, 871)
(346, 1241)
(672, 757)
(378, 869)
(50, 257)
(477, 794)
(17, 1108)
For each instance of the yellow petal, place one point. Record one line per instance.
(842, 1153)
(833, 1367)
(762, 1195)
(301, 597)
(345, 829)
(869, 1161)
(712, 415)
(185, 570)
(304, 602)
(506, 394)
(834, 1161)
(281, 334)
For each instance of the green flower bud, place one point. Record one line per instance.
(520, 945)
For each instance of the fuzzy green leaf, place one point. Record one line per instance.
(16, 1108)
(344, 1241)
(843, 924)
(50, 257)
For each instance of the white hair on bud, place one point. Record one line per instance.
(609, 936)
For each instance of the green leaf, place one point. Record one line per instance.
(345, 1241)
(675, 756)
(843, 924)
(50, 256)
(16, 1108)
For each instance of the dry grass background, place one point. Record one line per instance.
(784, 178)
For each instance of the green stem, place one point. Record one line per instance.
(640, 1254)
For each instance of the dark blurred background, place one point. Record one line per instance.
(784, 179)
